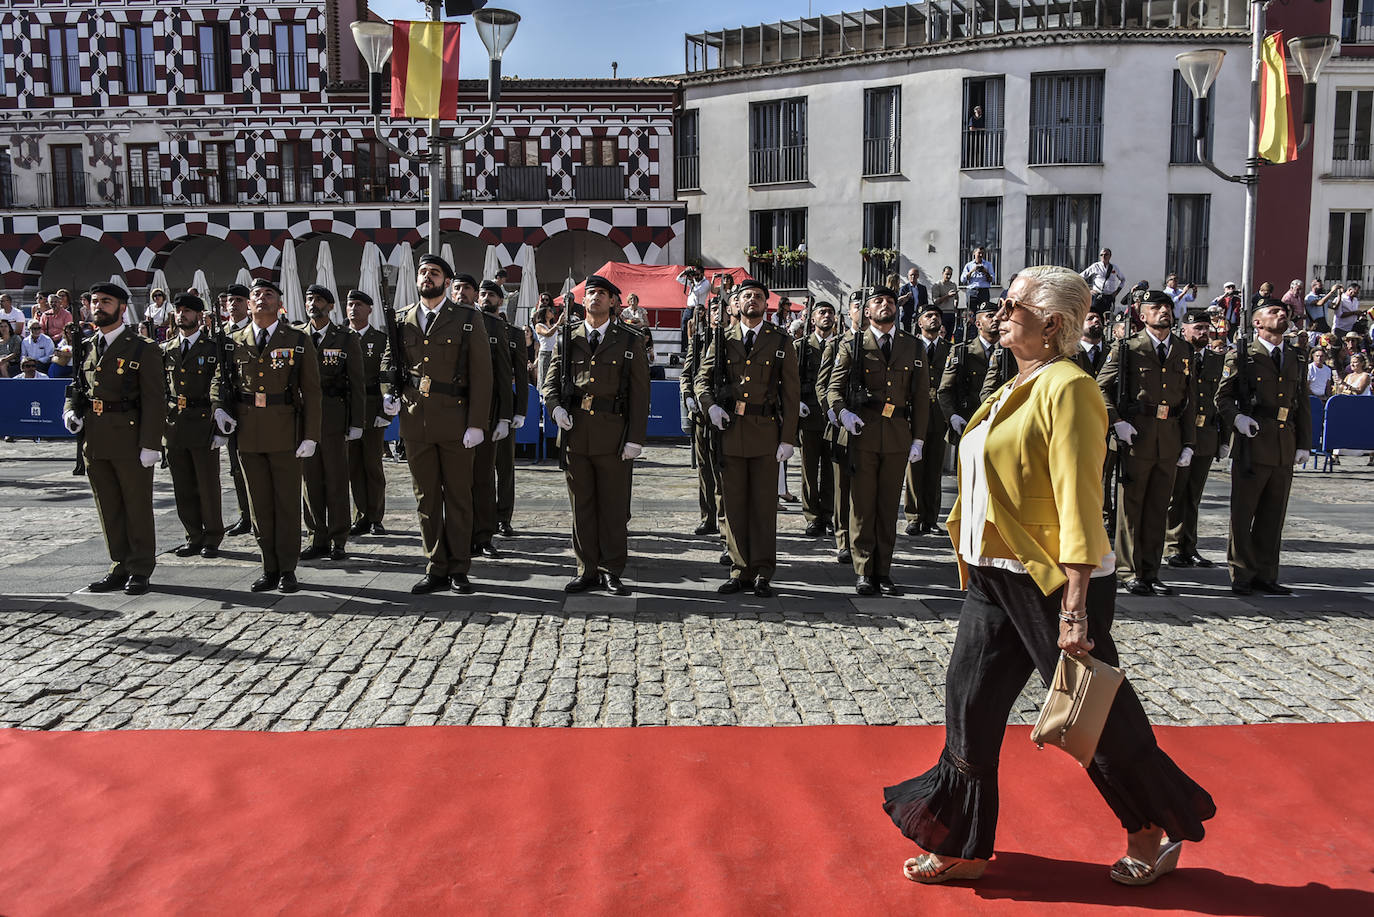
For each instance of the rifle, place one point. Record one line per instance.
(720, 388)
(855, 392)
(79, 390)
(805, 352)
(400, 371)
(1115, 453)
(958, 361)
(228, 379)
(1245, 402)
(567, 390)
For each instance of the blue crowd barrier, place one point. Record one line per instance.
(1318, 422)
(1349, 423)
(32, 407)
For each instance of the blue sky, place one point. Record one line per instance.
(576, 38)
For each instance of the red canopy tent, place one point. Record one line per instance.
(660, 292)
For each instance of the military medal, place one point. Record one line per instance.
(260, 400)
(1283, 414)
(119, 366)
(424, 385)
(1162, 412)
(888, 408)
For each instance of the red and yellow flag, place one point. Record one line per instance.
(1277, 142)
(424, 70)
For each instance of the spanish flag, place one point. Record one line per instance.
(1277, 142)
(424, 70)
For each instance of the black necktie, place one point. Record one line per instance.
(1163, 353)
(886, 346)
(185, 347)
(749, 340)
(594, 339)
(429, 320)
(1092, 355)
(319, 339)
(99, 347)
(262, 339)
(1277, 354)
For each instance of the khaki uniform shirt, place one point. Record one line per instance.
(1280, 403)
(127, 380)
(343, 379)
(192, 388)
(897, 407)
(278, 389)
(1159, 399)
(603, 420)
(372, 343)
(449, 388)
(762, 390)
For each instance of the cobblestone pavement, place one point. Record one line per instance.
(355, 649)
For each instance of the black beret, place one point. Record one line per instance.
(491, 286)
(1269, 301)
(1193, 316)
(237, 289)
(882, 291)
(1157, 298)
(360, 296)
(989, 305)
(856, 296)
(464, 278)
(269, 284)
(319, 290)
(435, 259)
(931, 307)
(188, 301)
(823, 304)
(110, 289)
(749, 283)
(597, 282)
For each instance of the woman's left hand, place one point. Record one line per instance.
(1073, 638)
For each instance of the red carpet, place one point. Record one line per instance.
(641, 821)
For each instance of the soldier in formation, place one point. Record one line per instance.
(505, 449)
(923, 478)
(498, 426)
(367, 477)
(818, 472)
(190, 360)
(1208, 444)
(236, 300)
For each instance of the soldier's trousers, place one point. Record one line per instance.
(923, 480)
(818, 477)
(483, 490)
(841, 510)
(1142, 515)
(274, 496)
(599, 491)
(751, 515)
(1183, 506)
(195, 484)
(442, 477)
(367, 478)
(236, 472)
(1259, 505)
(505, 478)
(710, 501)
(326, 491)
(873, 497)
(123, 491)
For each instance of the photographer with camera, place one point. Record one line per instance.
(978, 276)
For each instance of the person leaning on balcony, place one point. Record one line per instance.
(978, 275)
(1105, 280)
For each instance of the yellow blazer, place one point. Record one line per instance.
(1043, 465)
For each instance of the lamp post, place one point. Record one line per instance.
(496, 28)
(1199, 70)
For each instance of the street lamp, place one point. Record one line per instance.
(496, 28)
(1199, 70)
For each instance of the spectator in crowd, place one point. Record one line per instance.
(54, 318)
(1347, 310)
(978, 276)
(500, 278)
(548, 321)
(1297, 308)
(29, 370)
(1352, 344)
(1180, 295)
(912, 298)
(157, 314)
(87, 315)
(1229, 302)
(1104, 280)
(1320, 378)
(11, 314)
(1318, 304)
(1355, 382)
(573, 309)
(11, 346)
(975, 118)
(38, 346)
(531, 352)
(634, 313)
(783, 315)
(61, 366)
(1266, 291)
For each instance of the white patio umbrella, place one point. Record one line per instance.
(370, 282)
(290, 284)
(446, 252)
(568, 284)
(528, 299)
(244, 277)
(324, 269)
(201, 285)
(131, 314)
(407, 293)
(490, 263)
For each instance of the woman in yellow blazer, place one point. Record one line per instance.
(1037, 564)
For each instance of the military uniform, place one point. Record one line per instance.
(502, 408)
(235, 466)
(1189, 482)
(839, 459)
(505, 449)
(895, 412)
(1159, 405)
(343, 391)
(1259, 500)
(924, 478)
(1090, 358)
(817, 466)
(609, 408)
(365, 470)
(710, 500)
(278, 391)
(126, 414)
(448, 390)
(961, 385)
(1001, 370)
(761, 395)
(192, 386)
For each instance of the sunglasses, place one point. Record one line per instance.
(1009, 305)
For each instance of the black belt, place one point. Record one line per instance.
(182, 404)
(1265, 412)
(263, 399)
(335, 392)
(755, 410)
(100, 405)
(594, 403)
(1150, 407)
(374, 389)
(437, 388)
(878, 404)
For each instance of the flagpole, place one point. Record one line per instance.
(1251, 177)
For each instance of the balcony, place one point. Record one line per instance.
(368, 185)
(774, 165)
(983, 148)
(882, 155)
(523, 183)
(291, 185)
(1065, 144)
(1357, 29)
(220, 187)
(1344, 274)
(291, 72)
(144, 191)
(139, 74)
(689, 173)
(1352, 160)
(779, 276)
(599, 183)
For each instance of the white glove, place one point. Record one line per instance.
(72, 422)
(851, 422)
(307, 449)
(830, 416)
(1185, 458)
(956, 423)
(517, 421)
(562, 418)
(785, 451)
(225, 423)
(1246, 426)
(391, 405)
(1302, 456)
(918, 446)
(501, 432)
(1124, 431)
(473, 437)
(381, 421)
(691, 405)
(719, 417)
(354, 433)
(631, 452)
(1223, 452)
(218, 442)
(149, 457)
(805, 411)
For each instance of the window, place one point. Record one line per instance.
(599, 151)
(1350, 140)
(1062, 229)
(1185, 247)
(779, 238)
(221, 173)
(212, 57)
(1357, 21)
(1345, 236)
(599, 177)
(68, 176)
(137, 45)
(1182, 146)
(880, 232)
(297, 172)
(688, 150)
(1066, 118)
(882, 130)
(7, 182)
(453, 174)
(984, 124)
(369, 171)
(691, 243)
(522, 151)
(289, 41)
(523, 177)
(980, 226)
(777, 141)
(145, 181)
(64, 67)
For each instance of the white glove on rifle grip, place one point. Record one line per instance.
(957, 423)
(473, 437)
(354, 433)
(501, 432)
(785, 451)
(719, 417)
(306, 450)
(218, 441)
(1124, 431)
(918, 447)
(391, 405)
(562, 418)
(804, 410)
(149, 457)
(1223, 452)
(851, 422)
(691, 405)
(1246, 426)
(72, 422)
(1185, 458)
(225, 423)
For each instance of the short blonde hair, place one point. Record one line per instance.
(1059, 291)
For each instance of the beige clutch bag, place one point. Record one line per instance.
(1076, 709)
